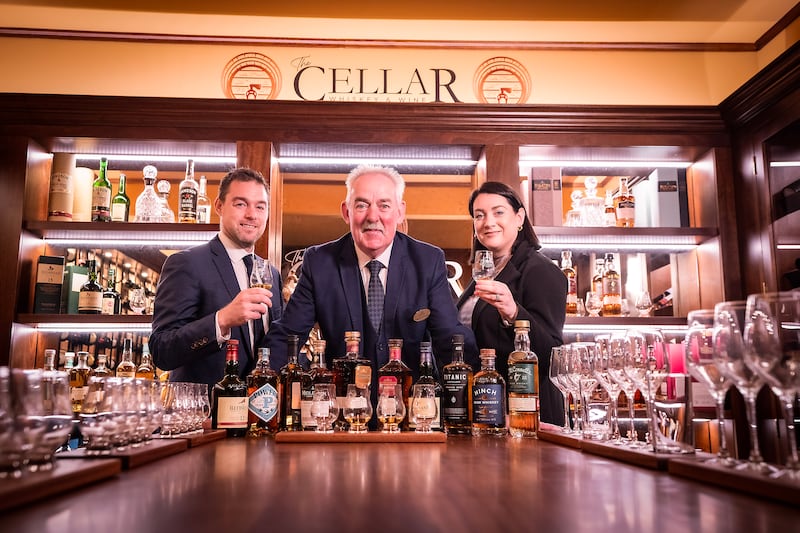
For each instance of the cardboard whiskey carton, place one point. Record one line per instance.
(49, 279)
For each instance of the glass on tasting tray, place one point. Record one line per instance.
(423, 407)
(357, 408)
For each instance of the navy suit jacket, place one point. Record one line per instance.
(418, 305)
(540, 290)
(194, 285)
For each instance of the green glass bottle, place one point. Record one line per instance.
(120, 203)
(101, 195)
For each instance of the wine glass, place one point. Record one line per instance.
(571, 379)
(612, 387)
(729, 356)
(617, 351)
(357, 408)
(699, 356)
(483, 267)
(324, 407)
(772, 343)
(647, 364)
(556, 362)
(585, 355)
(594, 303)
(423, 407)
(261, 276)
(391, 408)
(643, 304)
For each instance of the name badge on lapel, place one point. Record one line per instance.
(422, 315)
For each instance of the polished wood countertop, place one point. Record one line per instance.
(464, 485)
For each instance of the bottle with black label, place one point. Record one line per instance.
(427, 377)
(457, 391)
(90, 298)
(523, 384)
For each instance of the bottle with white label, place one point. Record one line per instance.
(187, 196)
(203, 203)
(229, 406)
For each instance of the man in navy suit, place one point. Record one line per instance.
(335, 280)
(203, 299)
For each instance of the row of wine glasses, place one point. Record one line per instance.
(755, 342)
(35, 419)
(595, 373)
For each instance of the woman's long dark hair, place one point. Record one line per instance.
(525, 235)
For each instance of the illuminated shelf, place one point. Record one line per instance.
(632, 239)
(74, 323)
(590, 325)
(129, 232)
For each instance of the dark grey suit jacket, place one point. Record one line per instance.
(418, 304)
(194, 285)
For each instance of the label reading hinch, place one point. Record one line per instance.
(488, 405)
(232, 412)
(264, 402)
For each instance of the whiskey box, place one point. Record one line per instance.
(661, 200)
(49, 279)
(74, 278)
(546, 201)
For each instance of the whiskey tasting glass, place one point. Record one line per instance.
(391, 408)
(10, 450)
(772, 344)
(729, 356)
(556, 362)
(483, 266)
(324, 407)
(261, 276)
(594, 303)
(699, 359)
(96, 420)
(423, 407)
(357, 408)
(55, 408)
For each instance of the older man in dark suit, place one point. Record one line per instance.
(405, 279)
(203, 296)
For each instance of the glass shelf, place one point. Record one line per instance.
(624, 239)
(104, 233)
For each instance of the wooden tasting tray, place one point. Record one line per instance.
(134, 457)
(198, 439)
(371, 436)
(64, 477)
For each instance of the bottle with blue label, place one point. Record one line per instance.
(263, 400)
(488, 399)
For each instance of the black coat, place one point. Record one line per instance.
(540, 290)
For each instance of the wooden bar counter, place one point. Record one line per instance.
(463, 485)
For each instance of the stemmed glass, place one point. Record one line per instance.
(555, 375)
(423, 407)
(324, 407)
(617, 352)
(357, 408)
(261, 276)
(772, 343)
(699, 355)
(585, 355)
(729, 356)
(483, 266)
(391, 408)
(613, 389)
(570, 375)
(647, 364)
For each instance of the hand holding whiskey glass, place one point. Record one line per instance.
(261, 276)
(483, 267)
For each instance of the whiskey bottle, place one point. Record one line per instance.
(126, 367)
(572, 282)
(101, 194)
(102, 370)
(203, 203)
(292, 380)
(523, 384)
(488, 398)
(78, 380)
(146, 370)
(396, 372)
(612, 287)
(49, 360)
(120, 203)
(609, 212)
(428, 377)
(229, 396)
(318, 373)
(111, 300)
(597, 279)
(187, 196)
(350, 369)
(457, 391)
(263, 398)
(90, 298)
(624, 205)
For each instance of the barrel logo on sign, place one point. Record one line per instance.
(251, 76)
(502, 80)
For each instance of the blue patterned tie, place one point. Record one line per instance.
(375, 295)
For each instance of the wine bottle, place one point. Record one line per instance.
(101, 194)
(229, 405)
(120, 203)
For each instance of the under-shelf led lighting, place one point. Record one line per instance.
(617, 246)
(788, 247)
(784, 164)
(583, 328)
(93, 326)
(163, 158)
(98, 242)
(411, 162)
(536, 163)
